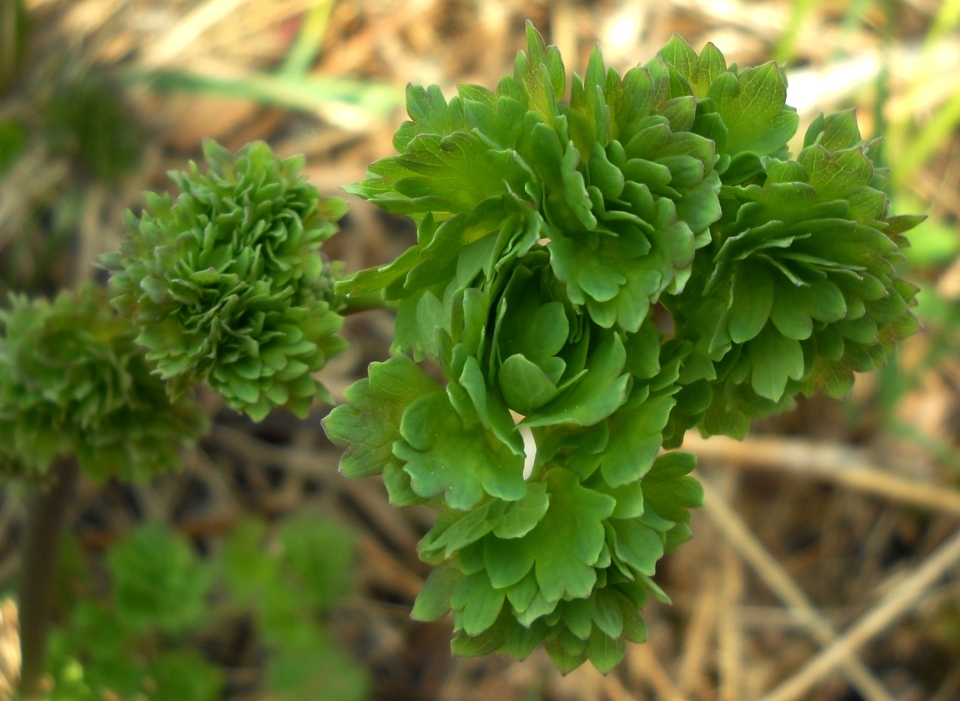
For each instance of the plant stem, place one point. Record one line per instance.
(362, 303)
(46, 514)
(8, 41)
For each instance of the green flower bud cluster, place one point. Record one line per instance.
(227, 285)
(552, 542)
(73, 383)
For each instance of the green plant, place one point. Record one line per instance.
(592, 279)
(75, 391)
(73, 383)
(287, 586)
(130, 643)
(136, 638)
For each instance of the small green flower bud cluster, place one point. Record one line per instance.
(227, 285)
(73, 383)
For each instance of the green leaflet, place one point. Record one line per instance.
(369, 425)
(807, 278)
(512, 519)
(445, 456)
(667, 489)
(744, 113)
(616, 180)
(563, 547)
(602, 389)
(635, 438)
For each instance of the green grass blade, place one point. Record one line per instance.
(309, 40)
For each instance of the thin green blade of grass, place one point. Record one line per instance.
(786, 47)
(948, 18)
(928, 140)
(309, 40)
(351, 103)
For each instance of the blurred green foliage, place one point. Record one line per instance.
(90, 121)
(136, 642)
(72, 382)
(132, 642)
(13, 140)
(158, 582)
(287, 581)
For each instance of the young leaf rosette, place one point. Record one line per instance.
(614, 185)
(73, 383)
(537, 452)
(227, 284)
(802, 285)
(551, 236)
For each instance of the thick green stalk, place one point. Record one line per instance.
(355, 304)
(46, 515)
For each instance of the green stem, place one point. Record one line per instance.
(362, 303)
(46, 515)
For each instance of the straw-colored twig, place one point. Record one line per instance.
(187, 31)
(729, 622)
(699, 633)
(644, 666)
(775, 577)
(908, 595)
(389, 521)
(730, 629)
(383, 569)
(833, 462)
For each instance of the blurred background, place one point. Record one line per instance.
(827, 524)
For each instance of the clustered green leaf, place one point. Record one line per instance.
(73, 383)
(592, 279)
(227, 285)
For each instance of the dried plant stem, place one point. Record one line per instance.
(8, 41)
(46, 515)
(699, 636)
(644, 666)
(775, 577)
(730, 649)
(905, 597)
(836, 463)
